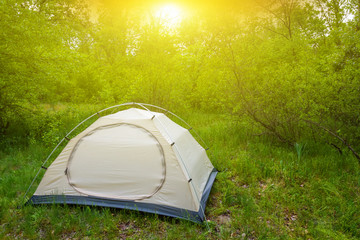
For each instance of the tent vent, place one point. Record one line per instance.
(66, 171)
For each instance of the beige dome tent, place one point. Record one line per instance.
(133, 159)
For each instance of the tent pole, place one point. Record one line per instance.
(188, 125)
(116, 106)
(66, 137)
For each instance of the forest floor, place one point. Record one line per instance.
(263, 191)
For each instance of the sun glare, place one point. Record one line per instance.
(170, 15)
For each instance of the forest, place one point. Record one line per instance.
(272, 85)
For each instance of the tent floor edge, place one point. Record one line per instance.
(116, 203)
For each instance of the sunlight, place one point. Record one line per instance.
(170, 15)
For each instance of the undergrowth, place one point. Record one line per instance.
(263, 190)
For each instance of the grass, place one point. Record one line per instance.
(263, 191)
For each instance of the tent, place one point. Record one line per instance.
(133, 159)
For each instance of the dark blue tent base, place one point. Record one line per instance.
(126, 204)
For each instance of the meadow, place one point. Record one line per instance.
(264, 190)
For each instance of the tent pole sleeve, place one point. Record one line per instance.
(192, 184)
(167, 111)
(188, 175)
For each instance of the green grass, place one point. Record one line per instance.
(263, 191)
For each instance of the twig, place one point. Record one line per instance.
(335, 135)
(337, 148)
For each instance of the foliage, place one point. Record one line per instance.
(36, 57)
(288, 71)
(278, 63)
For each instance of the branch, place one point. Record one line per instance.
(271, 30)
(270, 128)
(337, 148)
(335, 135)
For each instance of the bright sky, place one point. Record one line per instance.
(170, 15)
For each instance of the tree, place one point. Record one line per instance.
(38, 39)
